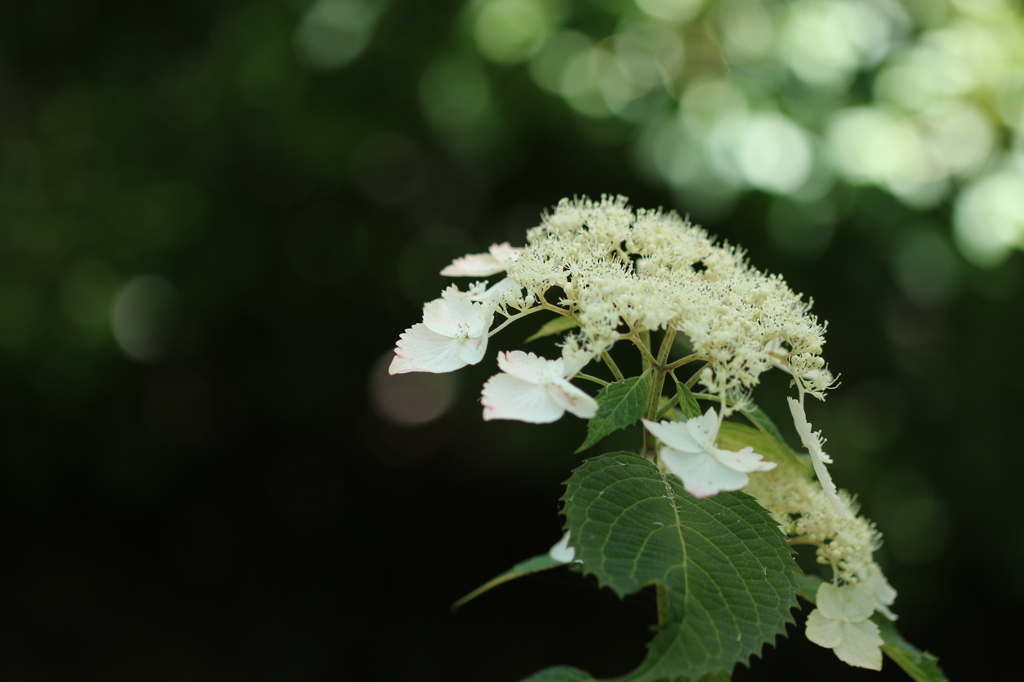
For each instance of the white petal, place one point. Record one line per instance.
(421, 350)
(483, 264)
(574, 359)
(884, 592)
(675, 435)
(861, 645)
(474, 265)
(472, 317)
(702, 475)
(818, 458)
(472, 351)
(504, 252)
(853, 603)
(572, 399)
(823, 631)
(507, 397)
(502, 291)
(561, 551)
(704, 429)
(437, 315)
(744, 460)
(525, 366)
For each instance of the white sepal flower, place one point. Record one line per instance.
(705, 469)
(453, 334)
(884, 593)
(561, 551)
(483, 264)
(841, 623)
(533, 389)
(819, 459)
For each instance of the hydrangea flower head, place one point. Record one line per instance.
(619, 268)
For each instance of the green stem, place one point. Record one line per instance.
(581, 375)
(616, 372)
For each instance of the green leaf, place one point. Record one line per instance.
(687, 403)
(541, 562)
(560, 673)
(764, 423)
(727, 569)
(922, 666)
(736, 436)
(619, 405)
(551, 327)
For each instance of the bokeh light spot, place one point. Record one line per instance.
(511, 31)
(141, 317)
(774, 154)
(410, 399)
(333, 33)
(927, 267)
(988, 218)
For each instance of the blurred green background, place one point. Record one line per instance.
(216, 218)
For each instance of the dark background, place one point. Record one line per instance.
(213, 229)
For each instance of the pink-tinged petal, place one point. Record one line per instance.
(675, 435)
(702, 475)
(861, 645)
(421, 350)
(525, 366)
(506, 397)
(818, 458)
(572, 399)
(483, 264)
(474, 265)
(823, 631)
(745, 460)
(504, 252)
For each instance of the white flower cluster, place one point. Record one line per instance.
(617, 274)
(619, 270)
(805, 512)
(454, 333)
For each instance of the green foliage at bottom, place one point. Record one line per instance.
(725, 572)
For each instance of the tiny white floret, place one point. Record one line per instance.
(453, 334)
(535, 390)
(705, 469)
(841, 623)
(819, 459)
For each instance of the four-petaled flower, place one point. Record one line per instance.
(705, 469)
(536, 390)
(819, 459)
(841, 623)
(453, 334)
